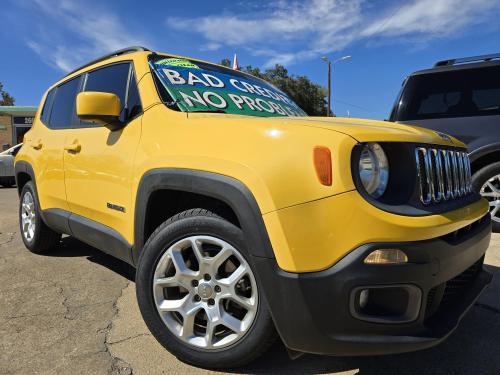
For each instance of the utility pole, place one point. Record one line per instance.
(329, 88)
(327, 60)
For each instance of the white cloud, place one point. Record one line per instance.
(287, 31)
(92, 33)
(431, 17)
(211, 47)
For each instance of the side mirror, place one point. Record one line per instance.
(102, 108)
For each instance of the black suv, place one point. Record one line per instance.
(461, 97)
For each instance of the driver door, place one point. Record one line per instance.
(98, 162)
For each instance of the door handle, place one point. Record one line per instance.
(37, 145)
(73, 147)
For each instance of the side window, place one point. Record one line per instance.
(45, 116)
(113, 79)
(63, 113)
(487, 100)
(134, 105)
(438, 103)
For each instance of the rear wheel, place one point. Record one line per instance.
(36, 235)
(198, 293)
(487, 182)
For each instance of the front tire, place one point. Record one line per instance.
(198, 293)
(37, 236)
(487, 182)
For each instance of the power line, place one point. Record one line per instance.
(352, 105)
(384, 24)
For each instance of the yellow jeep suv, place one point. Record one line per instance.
(246, 219)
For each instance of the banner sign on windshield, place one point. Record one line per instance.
(194, 88)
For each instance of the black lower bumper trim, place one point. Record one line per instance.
(312, 310)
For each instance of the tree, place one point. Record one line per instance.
(6, 98)
(308, 95)
(226, 62)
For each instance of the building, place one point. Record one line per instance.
(14, 122)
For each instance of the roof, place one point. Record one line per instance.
(17, 109)
(120, 52)
(450, 68)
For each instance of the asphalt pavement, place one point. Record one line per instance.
(74, 312)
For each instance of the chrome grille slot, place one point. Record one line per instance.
(442, 174)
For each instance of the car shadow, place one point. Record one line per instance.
(71, 247)
(472, 349)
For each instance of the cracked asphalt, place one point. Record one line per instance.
(74, 312)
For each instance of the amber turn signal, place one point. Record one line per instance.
(323, 164)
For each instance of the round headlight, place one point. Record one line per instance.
(373, 169)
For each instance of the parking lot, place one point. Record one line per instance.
(74, 311)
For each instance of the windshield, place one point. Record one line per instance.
(191, 86)
(459, 93)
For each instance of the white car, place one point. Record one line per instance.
(7, 178)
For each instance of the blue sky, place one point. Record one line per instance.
(42, 39)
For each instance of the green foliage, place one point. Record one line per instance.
(308, 95)
(226, 62)
(6, 98)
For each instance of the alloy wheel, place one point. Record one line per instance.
(205, 292)
(28, 214)
(491, 191)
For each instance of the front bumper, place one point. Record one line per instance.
(313, 312)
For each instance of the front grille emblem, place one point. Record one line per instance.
(444, 136)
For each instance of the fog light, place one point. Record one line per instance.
(363, 298)
(386, 256)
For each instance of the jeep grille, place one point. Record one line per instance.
(443, 174)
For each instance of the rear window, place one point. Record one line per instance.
(63, 113)
(460, 93)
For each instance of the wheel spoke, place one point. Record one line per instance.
(215, 262)
(180, 265)
(188, 321)
(178, 305)
(232, 323)
(495, 210)
(489, 194)
(167, 281)
(493, 188)
(197, 250)
(209, 335)
(246, 303)
(234, 277)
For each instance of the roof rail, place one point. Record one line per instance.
(468, 59)
(122, 51)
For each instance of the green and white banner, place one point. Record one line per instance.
(195, 88)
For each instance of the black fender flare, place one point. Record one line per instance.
(483, 151)
(22, 166)
(227, 189)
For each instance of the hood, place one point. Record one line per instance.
(362, 130)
